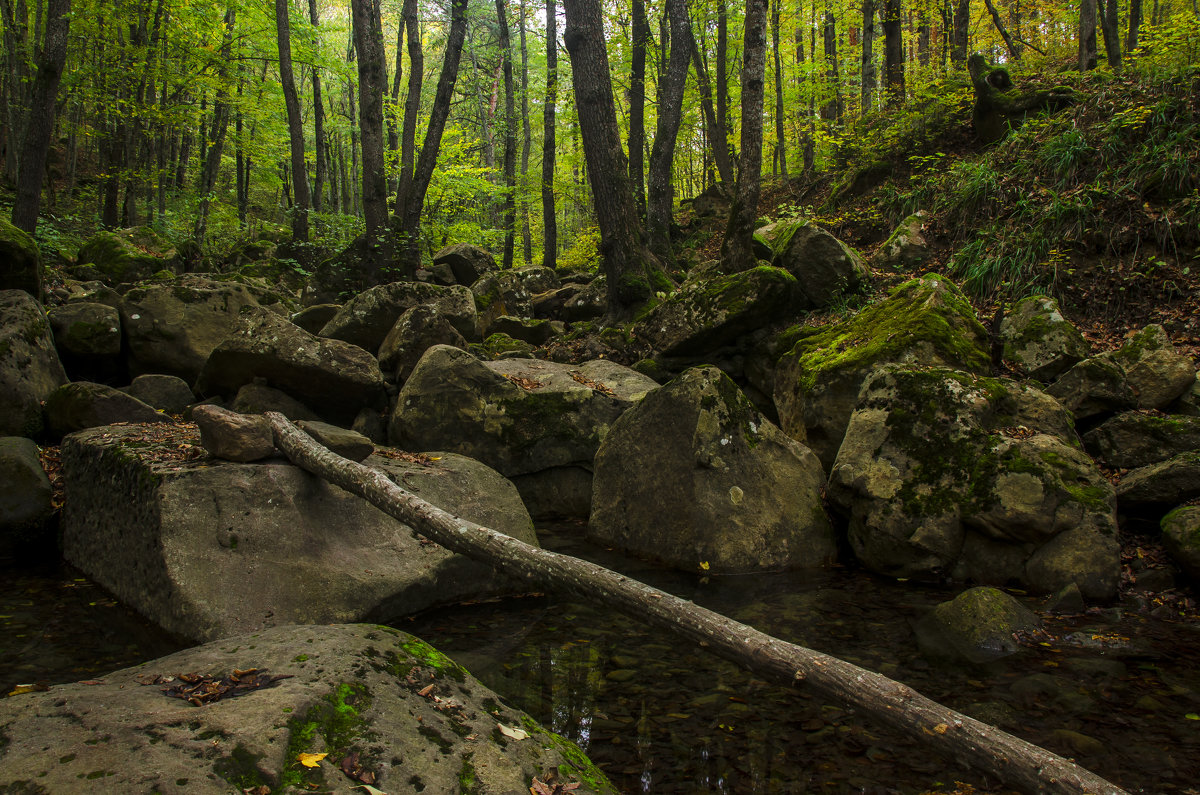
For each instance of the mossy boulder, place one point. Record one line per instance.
(538, 278)
(925, 321)
(126, 255)
(25, 496)
(370, 699)
(83, 404)
(20, 261)
(334, 378)
(366, 319)
(498, 294)
(535, 331)
(173, 328)
(945, 473)
(516, 415)
(1155, 369)
(708, 314)
(167, 393)
(502, 346)
(258, 398)
(695, 477)
(467, 263)
(313, 318)
(220, 548)
(29, 365)
(1181, 537)
(1039, 341)
(825, 268)
(1136, 439)
(85, 330)
(416, 331)
(906, 247)
(977, 626)
(1093, 387)
(1000, 107)
(1159, 486)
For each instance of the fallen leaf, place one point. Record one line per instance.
(512, 731)
(370, 790)
(425, 691)
(311, 760)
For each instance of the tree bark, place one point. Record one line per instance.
(372, 79)
(1014, 50)
(962, 27)
(1087, 35)
(549, 219)
(412, 105)
(832, 109)
(220, 123)
(291, 101)
(893, 52)
(510, 137)
(780, 138)
(637, 104)
(628, 263)
(713, 127)
(39, 129)
(526, 233)
(724, 122)
(868, 54)
(319, 149)
(737, 250)
(955, 736)
(1109, 24)
(670, 113)
(1135, 24)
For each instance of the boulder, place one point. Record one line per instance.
(172, 328)
(25, 495)
(1181, 537)
(906, 247)
(126, 255)
(825, 267)
(1157, 372)
(83, 404)
(234, 437)
(538, 278)
(167, 393)
(1136, 439)
(977, 626)
(535, 332)
(20, 261)
(1160, 485)
(500, 293)
(946, 473)
(92, 292)
(208, 548)
(29, 365)
(313, 318)
(332, 377)
(346, 443)
(693, 476)
(925, 321)
(588, 302)
(708, 314)
(468, 263)
(1189, 402)
(258, 398)
(1092, 387)
(712, 202)
(85, 330)
(1039, 341)
(516, 415)
(415, 332)
(556, 493)
(371, 703)
(366, 319)
(550, 303)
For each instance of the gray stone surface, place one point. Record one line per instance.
(415, 721)
(86, 329)
(977, 626)
(29, 365)
(1181, 537)
(84, 404)
(207, 549)
(343, 441)
(693, 476)
(1039, 341)
(1136, 439)
(167, 393)
(825, 267)
(231, 436)
(1165, 484)
(415, 332)
(25, 494)
(366, 319)
(466, 262)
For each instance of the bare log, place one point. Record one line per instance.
(1012, 761)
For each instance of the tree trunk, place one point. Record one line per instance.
(1109, 24)
(212, 159)
(39, 129)
(956, 737)
(868, 54)
(319, 148)
(805, 108)
(832, 109)
(549, 219)
(724, 123)
(737, 251)
(372, 78)
(412, 105)
(1135, 24)
(670, 113)
(893, 52)
(780, 138)
(291, 101)
(1014, 51)
(526, 234)
(713, 127)
(962, 27)
(628, 263)
(1087, 35)
(637, 104)
(414, 198)
(510, 137)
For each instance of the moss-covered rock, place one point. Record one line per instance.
(83, 404)
(1137, 439)
(905, 248)
(945, 473)
(1181, 537)
(415, 332)
(1155, 369)
(1092, 387)
(467, 263)
(926, 321)
(25, 496)
(1039, 341)
(126, 255)
(85, 330)
(367, 698)
(29, 365)
(708, 314)
(825, 268)
(1158, 486)
(977, 626)
(502, 346)
(366, 319)
(498, 294)
(20, 261)
(695, 477)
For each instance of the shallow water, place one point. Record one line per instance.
(659, 715)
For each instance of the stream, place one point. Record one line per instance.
(1116, 689)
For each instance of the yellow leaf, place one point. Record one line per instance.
(704, 565)
(19, 689)
(512, 731)
(311, 760)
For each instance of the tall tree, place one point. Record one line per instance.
(737, 251)
(291, 101)
(1135, 24)
(39, 129)
(510, 136)
(832, 109)
(962, 28)
(715, 130)
(670, 113)
(637, 103)
(868, 54)
(1109, 24)
(372, 78)
(549, 219)
(410, 205)
(1014, 49)
(723, 113)
(319, 149)
(893, 51)
(526, 141)
(220, 124)
(628, 264)
(780, 139)
(412, 104)
(1087, 35)
(805, 109)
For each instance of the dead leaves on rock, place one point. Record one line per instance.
(408, 458)
(201, 689)
(551, 787)
(595, 386)
(528, 384)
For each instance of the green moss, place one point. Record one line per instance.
(886, 330)
(241, 769)
(335, 720)
(434, 659)
(467, 784)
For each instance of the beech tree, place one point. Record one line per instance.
(549, 220)
(670, 111)
(295, 123)
(737, 252)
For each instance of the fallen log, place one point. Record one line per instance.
(957, 737)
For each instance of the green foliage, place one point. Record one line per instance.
(584, 253)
